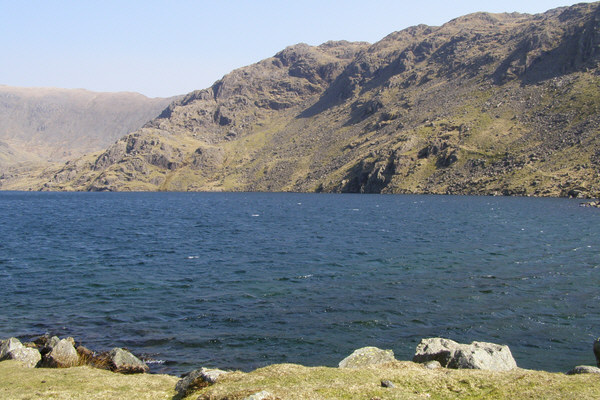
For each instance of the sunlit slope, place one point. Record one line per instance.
(485, 104)
(50, 125)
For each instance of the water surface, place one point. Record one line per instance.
(242, 280)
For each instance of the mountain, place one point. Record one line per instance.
(39, 125)
(485, 104)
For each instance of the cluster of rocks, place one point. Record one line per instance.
(53, 352)
(435, 353)
(595, 204)
(477, 355)
(432, 353)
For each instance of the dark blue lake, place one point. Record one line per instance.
(242, 280)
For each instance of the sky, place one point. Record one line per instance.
(170, 47)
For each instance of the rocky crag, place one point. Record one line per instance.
(486, 104)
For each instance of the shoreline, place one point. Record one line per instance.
(176, 368)
(585, 199)
(440, 369)
(291, 381)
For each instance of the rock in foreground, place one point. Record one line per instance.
(62, 354)
(367, 356)
(198, 379)
(13, 349)
(584, 369)
(9, 345)
(29, 357)
(122, 361)
(477, 355)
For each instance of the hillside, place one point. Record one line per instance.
(485, 104)
(49, 125)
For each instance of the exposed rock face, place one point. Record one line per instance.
(61, 354)
(52, 342)
(367, 356)
(29, 357)
(495, 104)
(9, 345)
(584, 369)
(477, 355)
(124, 362)
(198, 379)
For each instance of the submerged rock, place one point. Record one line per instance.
(477, 355)
(198, 379)
(367, 356)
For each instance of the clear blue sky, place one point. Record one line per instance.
(164, 48)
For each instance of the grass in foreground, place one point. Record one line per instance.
(289, 381)
(412, 381)
(18, 382)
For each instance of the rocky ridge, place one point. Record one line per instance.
(501, 104)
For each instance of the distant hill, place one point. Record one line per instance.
(485, 104)
(48, 125)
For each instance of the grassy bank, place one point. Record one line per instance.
(288, 381)
(18, 382)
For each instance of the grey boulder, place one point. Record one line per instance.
(387, 384)
(477, 355)
(9, 345)
(198, 379)
(367, 356)
(584, 369)
(124, 362)
(29, 357)
(61, 354)
(53, 342)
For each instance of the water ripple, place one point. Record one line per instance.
(167, 273)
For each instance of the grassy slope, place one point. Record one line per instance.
(17, 382)
(289, 381)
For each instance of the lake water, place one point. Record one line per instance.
(242, 280)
